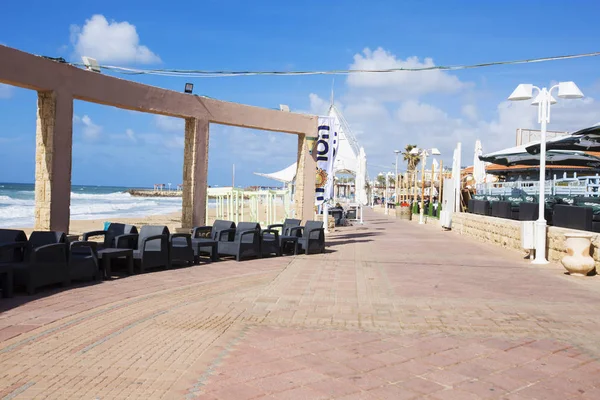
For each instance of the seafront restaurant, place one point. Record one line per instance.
(59, 84)
(503, 207)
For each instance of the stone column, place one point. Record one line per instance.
(304, 198)
(195, 172)
(54, 139)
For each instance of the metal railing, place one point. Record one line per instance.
(585, 186)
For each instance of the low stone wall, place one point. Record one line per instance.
(503, 232)
(507, 233)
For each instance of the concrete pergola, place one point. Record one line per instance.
(58, 84)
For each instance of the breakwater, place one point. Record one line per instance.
(154, 193)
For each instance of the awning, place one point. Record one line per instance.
(519, 156)
(286, 175)
(587, 139)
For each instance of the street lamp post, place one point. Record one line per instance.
(396, 176)
(423, 153)
(544, 99)
(387, 184)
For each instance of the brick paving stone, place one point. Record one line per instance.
(420, 385)
(393, 392)
(474, 321)
(334, 388)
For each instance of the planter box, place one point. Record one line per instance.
(403, 213)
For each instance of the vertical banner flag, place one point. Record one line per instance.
(326, 149)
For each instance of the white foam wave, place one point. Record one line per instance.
(19, 212)
(9, 201)
(109, 196)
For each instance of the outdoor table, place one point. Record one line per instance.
(7, 278)
(106, 255)
(198, 243)
(72, 238)
(283, 240)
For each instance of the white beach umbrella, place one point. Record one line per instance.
(361, 178)
(478, 165)
(434, 173)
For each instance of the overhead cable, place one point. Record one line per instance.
(195, 73)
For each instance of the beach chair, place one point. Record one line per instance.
(180, 249)
(312, 238)
(12, 249)
(270, 242)
(45, 261)
(122, 236)
(152, 249)
(12, 245)
(83, 261)
(245, 243)
(208, 235)
(286, 226)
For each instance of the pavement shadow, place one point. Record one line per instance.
(350, 241)
(21, 298)
(356, 235)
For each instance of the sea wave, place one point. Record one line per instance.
(19, 212)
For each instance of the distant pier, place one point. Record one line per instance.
(154, 193)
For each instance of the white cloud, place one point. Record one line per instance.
(413, 112)
(110, 42)
(470, 111)
(399, 85)
(318, 106)
(169, 124)
(388, 111)
(255, 147)
(6, 91)
(175, 141)
(90, 130)
(131, 135)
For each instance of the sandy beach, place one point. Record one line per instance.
(171, 220)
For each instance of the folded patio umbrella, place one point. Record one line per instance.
(519, 156)
(587, 139)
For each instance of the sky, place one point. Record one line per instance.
(385, 111)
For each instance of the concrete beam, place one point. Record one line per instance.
(38, 73)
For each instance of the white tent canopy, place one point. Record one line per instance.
(347, 157)
(286, 175)
(350, 158)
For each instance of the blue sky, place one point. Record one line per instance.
(386, 111)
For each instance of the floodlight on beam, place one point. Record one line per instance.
(189, 88)
(310, 143)
(91, 64)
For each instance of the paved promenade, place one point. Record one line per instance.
(393, 310)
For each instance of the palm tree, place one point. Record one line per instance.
(411, 159)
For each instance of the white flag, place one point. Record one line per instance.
(326, 149)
